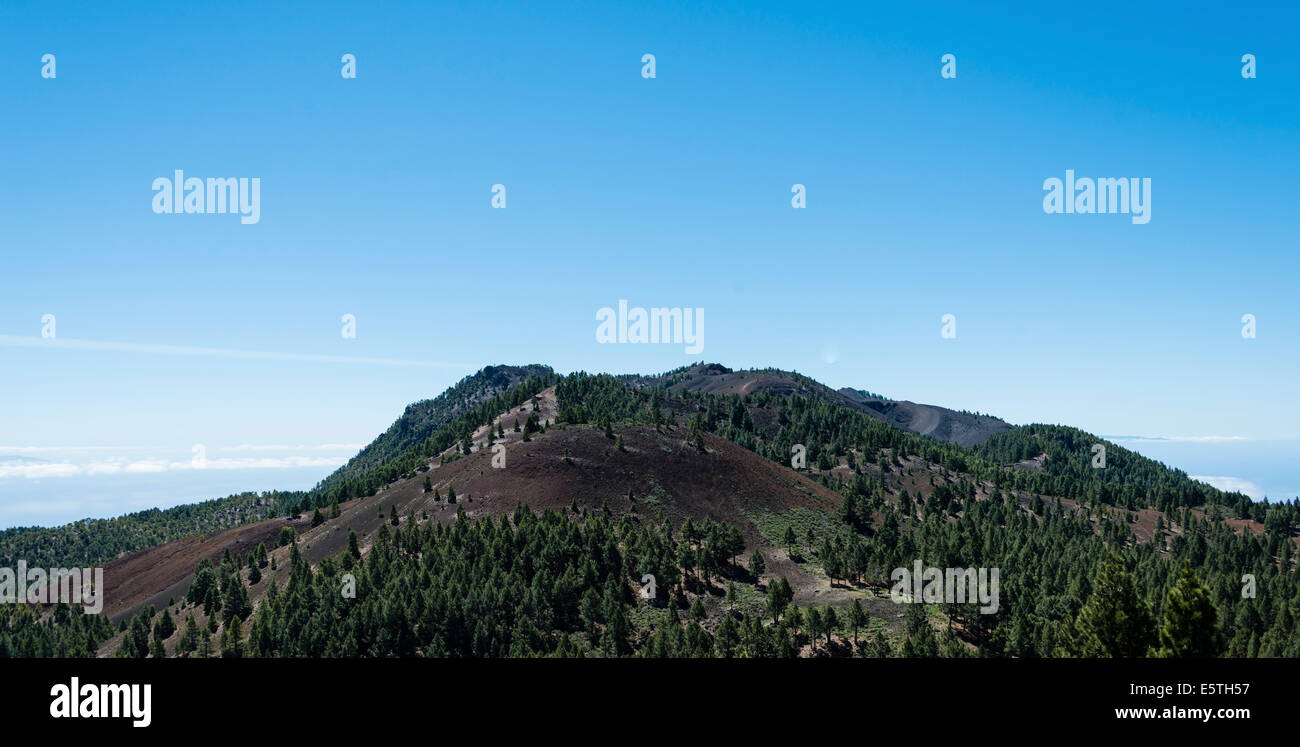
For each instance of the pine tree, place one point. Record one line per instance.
(779, 596)
(232, 644)
(794, 619)
(757, 565)
(234, 602)
(726, 637)
(1190, 628)
(830, 621)
(189, 642)
(286, 537)
(857, 619)
(135, 644)
(815, 626)
(879, 647)
(165, 625)
(1115, 622)
(920, 641)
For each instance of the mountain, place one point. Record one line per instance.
(962, 428)
(656, 475)
(520, 512)
(421, 421)
(94, 541)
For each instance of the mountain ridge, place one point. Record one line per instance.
(771, 464)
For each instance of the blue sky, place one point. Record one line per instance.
(924, 198)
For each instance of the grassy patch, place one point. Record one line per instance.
(657, 498)
(810, 527)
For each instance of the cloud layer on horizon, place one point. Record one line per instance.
(74, 461)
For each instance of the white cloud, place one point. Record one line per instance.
(39, 470)
(299, 447)
(1231, 485)
(60, 449)
(277, 463)
(1178, 439)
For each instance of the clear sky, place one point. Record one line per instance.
(924, 198)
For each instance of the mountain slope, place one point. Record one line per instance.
(962, 428)
(635, 460)
(424, 421)
(666, 478)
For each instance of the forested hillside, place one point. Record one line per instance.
(429, 427)
(93, 541)
(1127, 559)
(1048, 552)
(421, 427)
(1128, 479)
